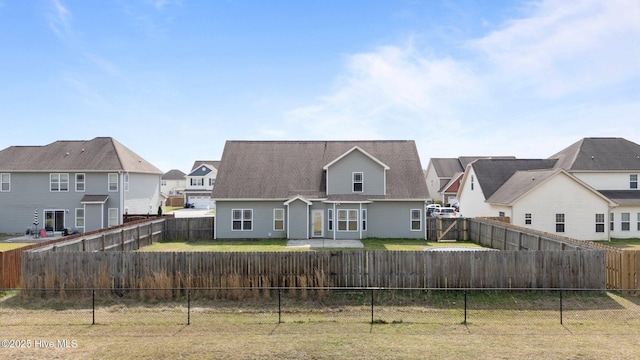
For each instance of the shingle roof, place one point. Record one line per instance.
(599, 154)
(174, 174)
(493, 173)
(213, 163)
(281, 169)
(519, 184)
(448, 167)
(98, 154)
(623, 197)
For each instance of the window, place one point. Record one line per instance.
(80, 218)
(163, 182)
(611, 226)
(416, 219)
(560, 223)
(278, 219)
(330, 219)
(125, 180)
(242, 219)
(348, 220)
(501, 214)
(212, 181)
(80, 182)
(599, 223)
(625, 221)
(364, 219)
(113, 182)
(5, 182)
(527, 219)
(59, 182)
(471, 182)
(197, 182)
(633, 181)
(638, 221)
(358, 183)
(113, 217)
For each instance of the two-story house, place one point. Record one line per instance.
(443, 176)
(588, 191)
(84, 185)
(200, 182)
(320, 189)
(173, 183)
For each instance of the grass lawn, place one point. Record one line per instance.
(630, 244)
(4, 246)
(280, 245)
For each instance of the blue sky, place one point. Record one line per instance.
(173, 80)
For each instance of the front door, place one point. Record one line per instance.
(317, 221)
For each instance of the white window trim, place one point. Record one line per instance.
(242, 219)
(60, 182)
(633, 181)
(363, 219)
(600, 222)
(348, 221)
(563, 222)
(330, 219)
(113, 217)
(528, 217)
(412, 220)
(78, 217)
(83, 182)
(275, 218)
(624, 222)
(125, 180)
(109, 182)
(8, 182)
(354, 182)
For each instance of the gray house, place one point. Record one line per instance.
(83, 185)
(320, 189)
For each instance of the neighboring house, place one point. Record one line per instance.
(320, 189)
(84, 185)
(588, 191)
(200, 182)
(173, 183)
(443, 175)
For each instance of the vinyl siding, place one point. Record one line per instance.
(340, 175)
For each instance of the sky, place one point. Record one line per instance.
(172, 80)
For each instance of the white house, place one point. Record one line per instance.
(200, 182)
(173, 182)
(588, 191)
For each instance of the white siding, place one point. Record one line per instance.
(606, 181)
(472, 202)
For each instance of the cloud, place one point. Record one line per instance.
(565, 47)
(393, 84)
(60, 19)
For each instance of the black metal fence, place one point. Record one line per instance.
(517, 307)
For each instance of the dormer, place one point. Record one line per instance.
(356, 172)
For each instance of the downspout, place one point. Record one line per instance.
(288, 228)
(308, 223)
(122, 199)
(360, 221)
(335, 224)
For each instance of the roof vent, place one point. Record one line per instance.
(592, 157)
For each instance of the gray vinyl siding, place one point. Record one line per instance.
(262, 219)
(32, 190)
(393, 220)
(340, 175)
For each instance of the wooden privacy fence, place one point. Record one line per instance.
(622, 266)
(379, 268)
(197, 228)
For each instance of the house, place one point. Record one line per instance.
(588, 191)
(443, 176)
(320, 189)
(200, 182)
(173, 182)
(84, 185)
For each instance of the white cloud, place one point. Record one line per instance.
(564, 47)
(60, 19)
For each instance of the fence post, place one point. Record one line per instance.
(93, 307)
(465, 307)
(560, 306)
(279, 307)
(372, 306)
(188, 307)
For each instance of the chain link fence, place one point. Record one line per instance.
(519, 308)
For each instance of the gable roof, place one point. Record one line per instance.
(213, 163)
(174, 174)
(623, 197)
(98, 154)
(453, 185)
(203, 169)
(282, 169)
(356, 148)
(448, 167)
(599, 154)
(493, 173)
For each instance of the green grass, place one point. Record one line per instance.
(280, 245)
(631, 244)
(4, 246)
